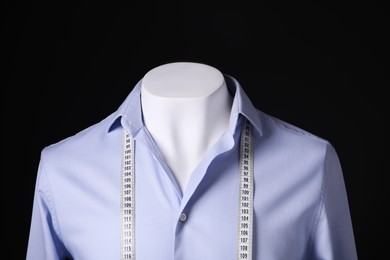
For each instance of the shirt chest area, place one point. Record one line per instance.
(195, 218)
(166, 220)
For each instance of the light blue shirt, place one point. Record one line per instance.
(300, 201)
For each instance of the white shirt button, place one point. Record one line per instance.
(183, 217)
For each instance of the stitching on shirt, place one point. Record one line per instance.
(51, 204)
(294, 129)
(320, 208)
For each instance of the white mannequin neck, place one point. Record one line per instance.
(186, 108)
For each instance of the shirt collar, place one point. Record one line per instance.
(242, 106)
(129, 114)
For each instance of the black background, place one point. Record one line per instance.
(321, 66)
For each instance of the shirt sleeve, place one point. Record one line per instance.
(44, 242)
(333, 237)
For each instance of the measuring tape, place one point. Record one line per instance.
(245, 214)
(128, 199)
(245, 207)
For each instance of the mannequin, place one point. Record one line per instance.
(201, 140)
(186, 108)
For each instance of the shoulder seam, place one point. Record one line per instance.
(295, 129)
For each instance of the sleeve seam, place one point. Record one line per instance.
(50, 199)
(321, 205)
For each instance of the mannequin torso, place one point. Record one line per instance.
(186, 108)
